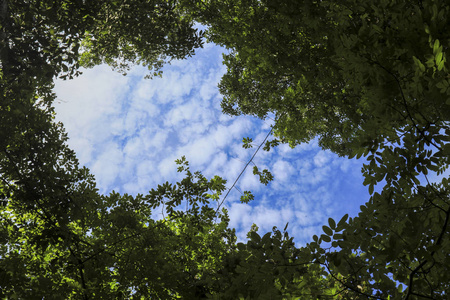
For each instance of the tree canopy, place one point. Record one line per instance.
(367, 78)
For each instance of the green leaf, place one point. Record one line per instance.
(419, 63)
(371, 188)
(247, 197)
(342, 222)
(332, 223)
(338, 236)
(441, 85)
(255, 170)
(436, 47)
(266, 238)
(241, 246)
(325, 238)
(255, 237)
(327, 230)
(247, 143)
(439, 56)
(440, 65)
(315, 238)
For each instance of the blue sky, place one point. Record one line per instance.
(129, 130)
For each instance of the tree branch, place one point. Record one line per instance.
(350, 287)
(243, 170)
(438, 241)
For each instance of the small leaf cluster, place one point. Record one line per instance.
(264, 176)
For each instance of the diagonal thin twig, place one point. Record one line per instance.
(243, 170)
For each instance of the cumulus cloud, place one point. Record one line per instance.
(129, 130)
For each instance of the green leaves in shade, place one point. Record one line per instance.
(367, 79)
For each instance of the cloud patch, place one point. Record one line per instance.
(129, 130)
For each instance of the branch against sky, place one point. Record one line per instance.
(129, 130)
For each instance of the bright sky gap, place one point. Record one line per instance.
(129, 130)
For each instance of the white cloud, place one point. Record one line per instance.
(321, 158)
(282, 170)
(107, 164)
(129, 130)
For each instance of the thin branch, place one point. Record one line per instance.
(438, 241)
(406, 104)
(350, 287)
(411, 278)
(81, 270)
(435, 192)
(422, 296)
(243, 170)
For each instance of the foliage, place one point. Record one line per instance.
(42, 39)
(113, 248)
(367, 78)
(60, 239)
(345, 71)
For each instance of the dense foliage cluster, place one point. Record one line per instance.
(367, 78)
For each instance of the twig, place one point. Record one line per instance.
(243, 170)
